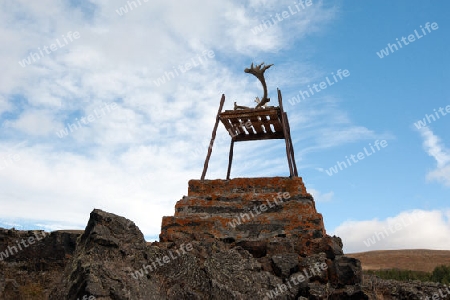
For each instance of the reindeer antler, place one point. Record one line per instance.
(259, 73)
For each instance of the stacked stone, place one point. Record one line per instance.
(275, 213)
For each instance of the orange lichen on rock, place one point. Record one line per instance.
(244, 210)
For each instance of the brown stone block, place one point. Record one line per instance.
(261, 185)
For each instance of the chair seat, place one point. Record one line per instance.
(253, 124)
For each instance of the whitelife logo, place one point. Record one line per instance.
(183, 68)
(124, 9)
(340, 165)
(322, 85)
(161, 261)
(430, 118)
(411, 38)
(34, 57)
(282, 288)
(393, 228)
(12, 157)
(86, 120)
(281, 16)
(11, 250)
(262, 208)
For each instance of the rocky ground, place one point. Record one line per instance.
(281, 253)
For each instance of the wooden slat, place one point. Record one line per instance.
(256, 124)
(261, 119)
(246, 113)
(276, 123)
(263, 136)
(269, 123)
(265, 123)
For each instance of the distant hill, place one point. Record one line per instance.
(411, 259)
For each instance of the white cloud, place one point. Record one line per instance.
(416, 229)
(434, 148)
(34, 123)
(159, 134)
(321, 197)
(440, 175)
(4, 105)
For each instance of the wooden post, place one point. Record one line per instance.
(213, 137)
(286, 134)
(230, 158)
(291, 147)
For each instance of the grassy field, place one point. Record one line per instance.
(414, 259)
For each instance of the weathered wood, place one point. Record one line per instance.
(257, 124)
(263, 136)
(213, 137)
(276, 123)
(291, 147)
(260, 119)
(291, 169)
(266, 124)
(230, 159)
(246, 113)
(283, 121)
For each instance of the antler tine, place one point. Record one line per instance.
(267, 66)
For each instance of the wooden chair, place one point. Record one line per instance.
(254, 124)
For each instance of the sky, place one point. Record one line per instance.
(111, 105)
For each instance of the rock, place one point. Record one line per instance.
(285, 264)
(316, 266)
(347, 270)
(32, 261)
(246, 210)
(246, 240)
(377, 288)
(281, 251)
(110, 248)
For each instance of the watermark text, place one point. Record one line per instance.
(36, 56)
(411, 38)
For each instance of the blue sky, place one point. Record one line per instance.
(136, 141)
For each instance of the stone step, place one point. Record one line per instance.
(247, 210)
(223, 226)
(261, 185)
(194, 205)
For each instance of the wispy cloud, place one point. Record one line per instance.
(434, 147)
(322, 123)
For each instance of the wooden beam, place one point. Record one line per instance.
(285, 132)
(213, 137)
(230, 159)
(291, 147)
(257, 137)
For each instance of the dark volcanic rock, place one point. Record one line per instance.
(277, 249)
(282, 252)
(285, 264)
(32, 262)
(110, 248)
(378, 288)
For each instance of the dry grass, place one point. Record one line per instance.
(415, 259)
